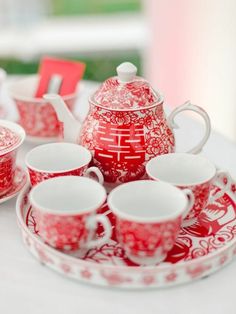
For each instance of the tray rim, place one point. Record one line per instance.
(153, 268)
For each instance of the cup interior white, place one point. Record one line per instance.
(58, 157)
(181, 169)
(147, 201)
(17, 129)
(67, 195)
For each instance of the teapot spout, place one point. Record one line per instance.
(71, 126)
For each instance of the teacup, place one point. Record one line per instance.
(60, 159)
(188, 171)
(65, 212)
(36, 115)
(148, 218)
(11, 138)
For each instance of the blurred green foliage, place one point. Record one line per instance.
(76, 7)
(98, 68)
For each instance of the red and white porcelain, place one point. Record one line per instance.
(200, 249)
(126, 125)
(65, 212)
(60, 159)
(148, 216)
(20, 180)
(189, 171)
(11, 138)
(36, 115)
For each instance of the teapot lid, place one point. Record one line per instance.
(126, 90)
(8, 139)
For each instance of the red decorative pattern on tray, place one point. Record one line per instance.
(215, 227)
(200, 250)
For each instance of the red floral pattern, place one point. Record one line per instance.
(38, 176)
(153, 240)
(7, 171)
(19, 181)
(116, 95)
(122, 142)
(40, 119)
(114, 278)
(67, 232)
(197, 271)
(201, 194)
(184, 264)
(8, 139)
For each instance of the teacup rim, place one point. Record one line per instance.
(29, 166)
(139, 219)
(55, 212)
(15, 127)
(181, 185)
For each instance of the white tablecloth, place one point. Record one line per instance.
(28, 287)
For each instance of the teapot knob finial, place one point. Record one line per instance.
(126, 72)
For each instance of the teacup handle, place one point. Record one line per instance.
(191, 199)
(218, 178)
(92, 223)
(188, 106)
(95, 171)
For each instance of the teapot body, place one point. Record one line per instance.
(126, 125)
(122, 141)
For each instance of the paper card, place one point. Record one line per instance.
(59, 76)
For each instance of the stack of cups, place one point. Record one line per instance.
(148, 213)
(65, 201)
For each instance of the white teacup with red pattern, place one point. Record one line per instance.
(65, 212)
(188, 171)
(60, 159)
(36, 115)
(11, 137)
(148, 217)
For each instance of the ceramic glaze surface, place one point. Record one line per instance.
(188, 171)
(121, 142)
(62, 232)
(11, 137)
(19, 181)
(7, 171)
(39, 119)
(36, 116)
(39, 176)
(147, 243)
(115, 95)
(8, 139)
(199, 250)
(126, 125)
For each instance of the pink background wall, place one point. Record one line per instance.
(192, 55)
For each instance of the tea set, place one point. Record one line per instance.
(125, 148)
(12, 177)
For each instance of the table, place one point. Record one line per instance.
(28, 287)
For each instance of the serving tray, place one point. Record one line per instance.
(200, 250)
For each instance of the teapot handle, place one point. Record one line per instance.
(188, 106)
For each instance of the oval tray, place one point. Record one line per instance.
(200, 250)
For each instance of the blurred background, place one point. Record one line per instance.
(185, 48)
